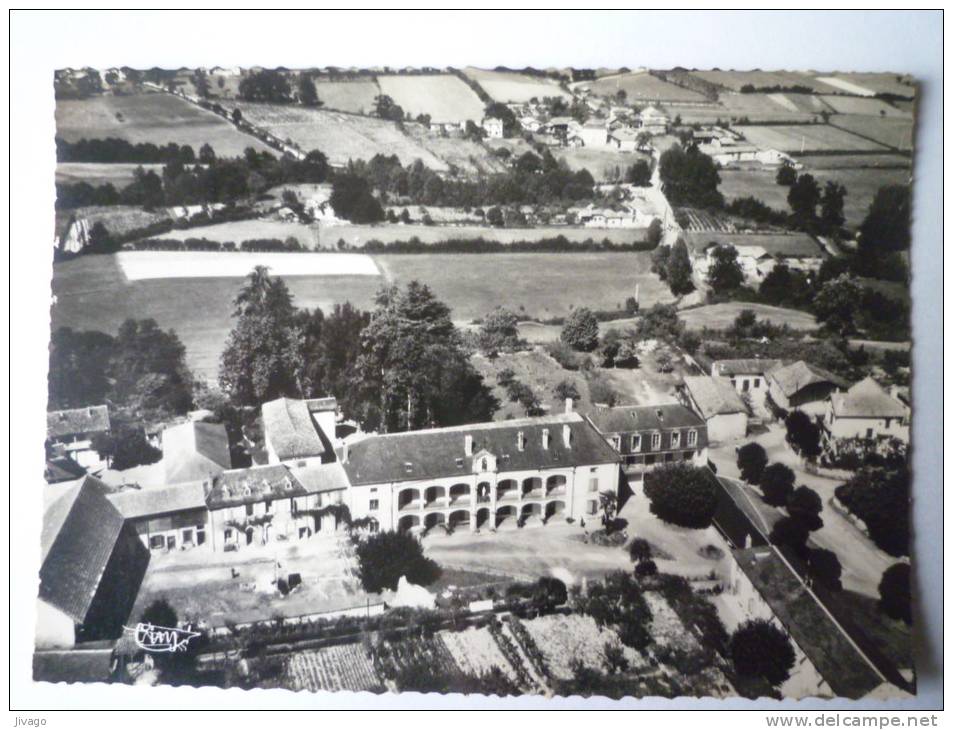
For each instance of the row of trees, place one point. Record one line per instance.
(115, 150)
(673, 265)
(401, 366)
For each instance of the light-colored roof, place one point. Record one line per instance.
(321, 477)
(799, 375)
(626, 419)
(651, 112)
(714, 396)
(745, 366)
(867, 399)
(194, 450)
(755, 252)
(146, 502)
(91, 419)
(291, 430)
(255, 484)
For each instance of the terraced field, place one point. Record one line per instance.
(895, 132)
(444, 97)
(340, 136)
(808, 138)
(515, 88)
(150, 117)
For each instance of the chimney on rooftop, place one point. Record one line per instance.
(344, 453)
(520, 441)
(568, 405)
(567, 436)
(545, 438)
(468, 445)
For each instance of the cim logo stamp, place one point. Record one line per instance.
(162, 638)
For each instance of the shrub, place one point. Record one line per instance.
(600, 391)
(895, 596)
(566, 389)
(805, 504)
(581, 331)
(752, 459)
(824, 567)
(646, 568)
(682, 494)
(385, 556)
(639, 550)
(881, 498)
(760, 649)
(777, 484)
(790, 532)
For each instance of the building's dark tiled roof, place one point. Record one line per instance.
(321, 477)
(867, 399)
(440, 452)
(834, 656)
(62, 469)
(798, 375)
(92, 419)
(255, 484)
(194, 451)
(631, 419)
(714, 396)
(80, 530)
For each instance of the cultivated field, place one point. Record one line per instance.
(736, 79)
(355, 96)
(863, 105)
(117, 174)
(896, 132)
(117, 219)
(143, 265)
(341, 137)
(534, 284)
(807, 138)
(861, 183)
(157, 118)
(353, 235)
(769, 107)
(444, 97)
(93, 293)
(639, 86)
(333, 669)
(599, 161)
(776, 244)
(515, 88)
(869, 84)
(721, 316)
(468, 156)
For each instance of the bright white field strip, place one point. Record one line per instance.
(844, 85)
(139, 265)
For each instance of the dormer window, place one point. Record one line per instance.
(656, 441)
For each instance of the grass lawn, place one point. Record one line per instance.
(721, 316)
(443, 96)
(157, 118)
(601, 163)
(894, 638)
(354, 95)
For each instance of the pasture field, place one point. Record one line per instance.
(813, 138)
(117, 219)
(734, 80)
(861, 183)
(356, 236)
(340, 136)
(863, 105)
(150, 117)
(599, 161)
(118, 174)
(515, 88)
(639, 86)
(840, 162)
(869, 84)
(143, 265)
(767, 107)
(721, 316)
(895, 132)
(470, 157)
(93, 293)
(354, 95)
(443, 96)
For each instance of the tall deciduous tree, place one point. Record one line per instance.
(803, 197)
(752, 459)
(725, 273)
(690, 177)
(760, 649)
(832, 205)
(836, 304)
(680, 270)
(262, 359)
(307, 92)
(682, 494)
(581, 330)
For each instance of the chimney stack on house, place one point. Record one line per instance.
(520, 441)
(545, 438)
(468, 445)
(568, 405)
(344, 451)
(567, 436)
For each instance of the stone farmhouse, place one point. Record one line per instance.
(802, 386)
(646, 436)
(746, 375)
(718, 404)
(866, 411)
